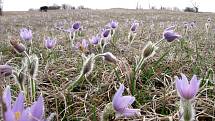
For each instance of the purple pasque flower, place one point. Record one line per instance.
(193, 24)
(13, 113)
(187, 90)
(17, 111)
(121, 104)
(83, 45)
(106, 33)
(134, 26)
(76, 25)
(170, 35)
(95, 40)
(26, 34)
(113, 24)
(5, 70)
(49, 43)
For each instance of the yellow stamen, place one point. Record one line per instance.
(17, 115)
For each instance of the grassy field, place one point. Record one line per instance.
(153, 85)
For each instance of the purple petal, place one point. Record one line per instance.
(7, 97)
(179, 86)
(37, 109)
(194, 85)
(170, 35)
(186, 90)
(85, 43)
(50, 43)
(19, 104)
(182, 85)
(9, 115)
(106, 33)
(131, 112)
(25, 115)
(76, 25)
(26, 34)
(123, 103)
(185, 80)
(113, 24)
(116, 99)
(95, 40)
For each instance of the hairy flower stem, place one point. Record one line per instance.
(3, 105)
(157, 43)
(33, 90)
(73, 84)
(72, 38)
(187, 110)
(139, 64)
(131, 37)
(26, 54)
(103, 47)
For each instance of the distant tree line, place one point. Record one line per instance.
(57, 7)
(1, 7)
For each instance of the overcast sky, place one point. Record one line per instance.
(22, 5)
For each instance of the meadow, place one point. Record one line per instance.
(78, 78)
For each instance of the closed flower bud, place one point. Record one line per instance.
(149, 50)
(19, 47)
(108, 113)
(5, 70)
(34, 65)
(88, 65)
(109, 57)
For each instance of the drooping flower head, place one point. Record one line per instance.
(76, 25)
(5, 70)
(149, 50)
(134, 26)
(88, 65)
(170, 35)
(95, 40)
(19, 47)
(187, 90)
(49, 43)
(113, 24)
(26, 34)
(83, 45)
(109, 57)
(121, 104)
